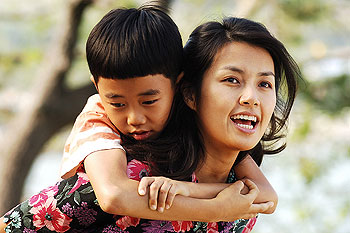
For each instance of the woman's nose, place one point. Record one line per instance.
(249, 97)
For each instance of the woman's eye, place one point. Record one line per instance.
(149, 102)
(231, 80)
(265, 84)
(117, 105)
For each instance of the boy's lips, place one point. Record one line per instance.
(141, 135)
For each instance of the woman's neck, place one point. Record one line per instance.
(216, 167)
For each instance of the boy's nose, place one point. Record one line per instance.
(135, 118)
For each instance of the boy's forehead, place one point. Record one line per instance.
(139, 86)
(133, 78)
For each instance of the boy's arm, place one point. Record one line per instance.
(117, 194)
(2, 225)
(247, 168)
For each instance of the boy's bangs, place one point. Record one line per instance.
(135, 43)
(137, 61)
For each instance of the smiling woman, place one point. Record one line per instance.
(233, 90)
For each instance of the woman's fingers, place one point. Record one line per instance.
(261, 207)
(253, 190)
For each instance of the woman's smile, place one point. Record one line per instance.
(245, 122)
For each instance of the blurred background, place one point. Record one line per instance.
(44, 82)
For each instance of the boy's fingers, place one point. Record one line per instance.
(153, 194)
(144, 183)
(162, 196)
(171, 196)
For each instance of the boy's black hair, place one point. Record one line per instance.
(129, 43)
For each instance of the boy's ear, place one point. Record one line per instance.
(93, 81)
(179, 77)
(189, 98)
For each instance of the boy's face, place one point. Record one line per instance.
(139, 107)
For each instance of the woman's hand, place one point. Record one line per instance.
(162, 191)
(234, 205)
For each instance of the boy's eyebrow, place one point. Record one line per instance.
(112, 95)
(145, 93)
(235, 69)
(150, 92)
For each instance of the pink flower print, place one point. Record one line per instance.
(82, 179)
(127, 221)
(249, 227)
(48, 215)
(182, 226)
(194, 178)
(212, 227)
(136, 170)
(41, 197)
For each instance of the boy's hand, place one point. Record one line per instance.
(162, 191)
(235, 206)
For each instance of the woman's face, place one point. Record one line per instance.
(237, 99)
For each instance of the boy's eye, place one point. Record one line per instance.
(265, 84)
(231, 80)
(149, 102)
(118, 105)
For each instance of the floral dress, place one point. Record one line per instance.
(71, 206)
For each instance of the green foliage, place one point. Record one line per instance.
(331, 95)
(309, 169)
(303, 129)
(303, 212)
(310, 10)
(345, 210)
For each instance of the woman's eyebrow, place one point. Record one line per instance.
(233, 68)
(236, 69)
(266, 73)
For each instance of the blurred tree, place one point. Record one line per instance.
(331, 95)
(50, 111)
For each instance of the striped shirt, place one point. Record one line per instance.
(92, 131)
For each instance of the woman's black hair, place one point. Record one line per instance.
(129, 43)
(180, 150)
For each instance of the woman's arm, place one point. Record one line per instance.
(117, 194)
(247, 168)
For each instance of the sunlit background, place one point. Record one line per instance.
(311, 177)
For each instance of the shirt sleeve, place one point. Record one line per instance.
(92, 131)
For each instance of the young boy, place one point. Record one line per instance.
(135, 58)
